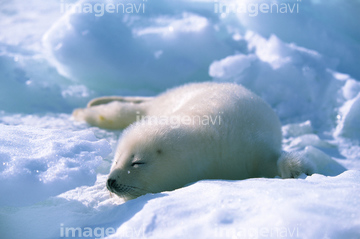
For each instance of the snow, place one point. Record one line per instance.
(274, 66)
(253, 208)
(53, 170)
(136, 39)
(349, 125)
(256, 209)
(50, 161)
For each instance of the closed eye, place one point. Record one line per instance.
(137, 164)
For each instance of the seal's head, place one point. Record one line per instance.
(151, 159)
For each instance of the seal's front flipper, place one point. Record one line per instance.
(294, 164)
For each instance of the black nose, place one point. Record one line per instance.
(110, 184)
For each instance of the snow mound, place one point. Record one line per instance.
(253, 208)
(314, 207)
(349, 125)
(328, 27)
(131, 50)
(295, 81)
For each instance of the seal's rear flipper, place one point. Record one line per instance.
(108, 99)
(113, 112)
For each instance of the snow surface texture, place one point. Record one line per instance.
(53, 170)
(49, 161)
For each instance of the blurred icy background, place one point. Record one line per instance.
(304, 63)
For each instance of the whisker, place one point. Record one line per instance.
(123, 190)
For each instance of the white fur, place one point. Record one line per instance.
(247, 142)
